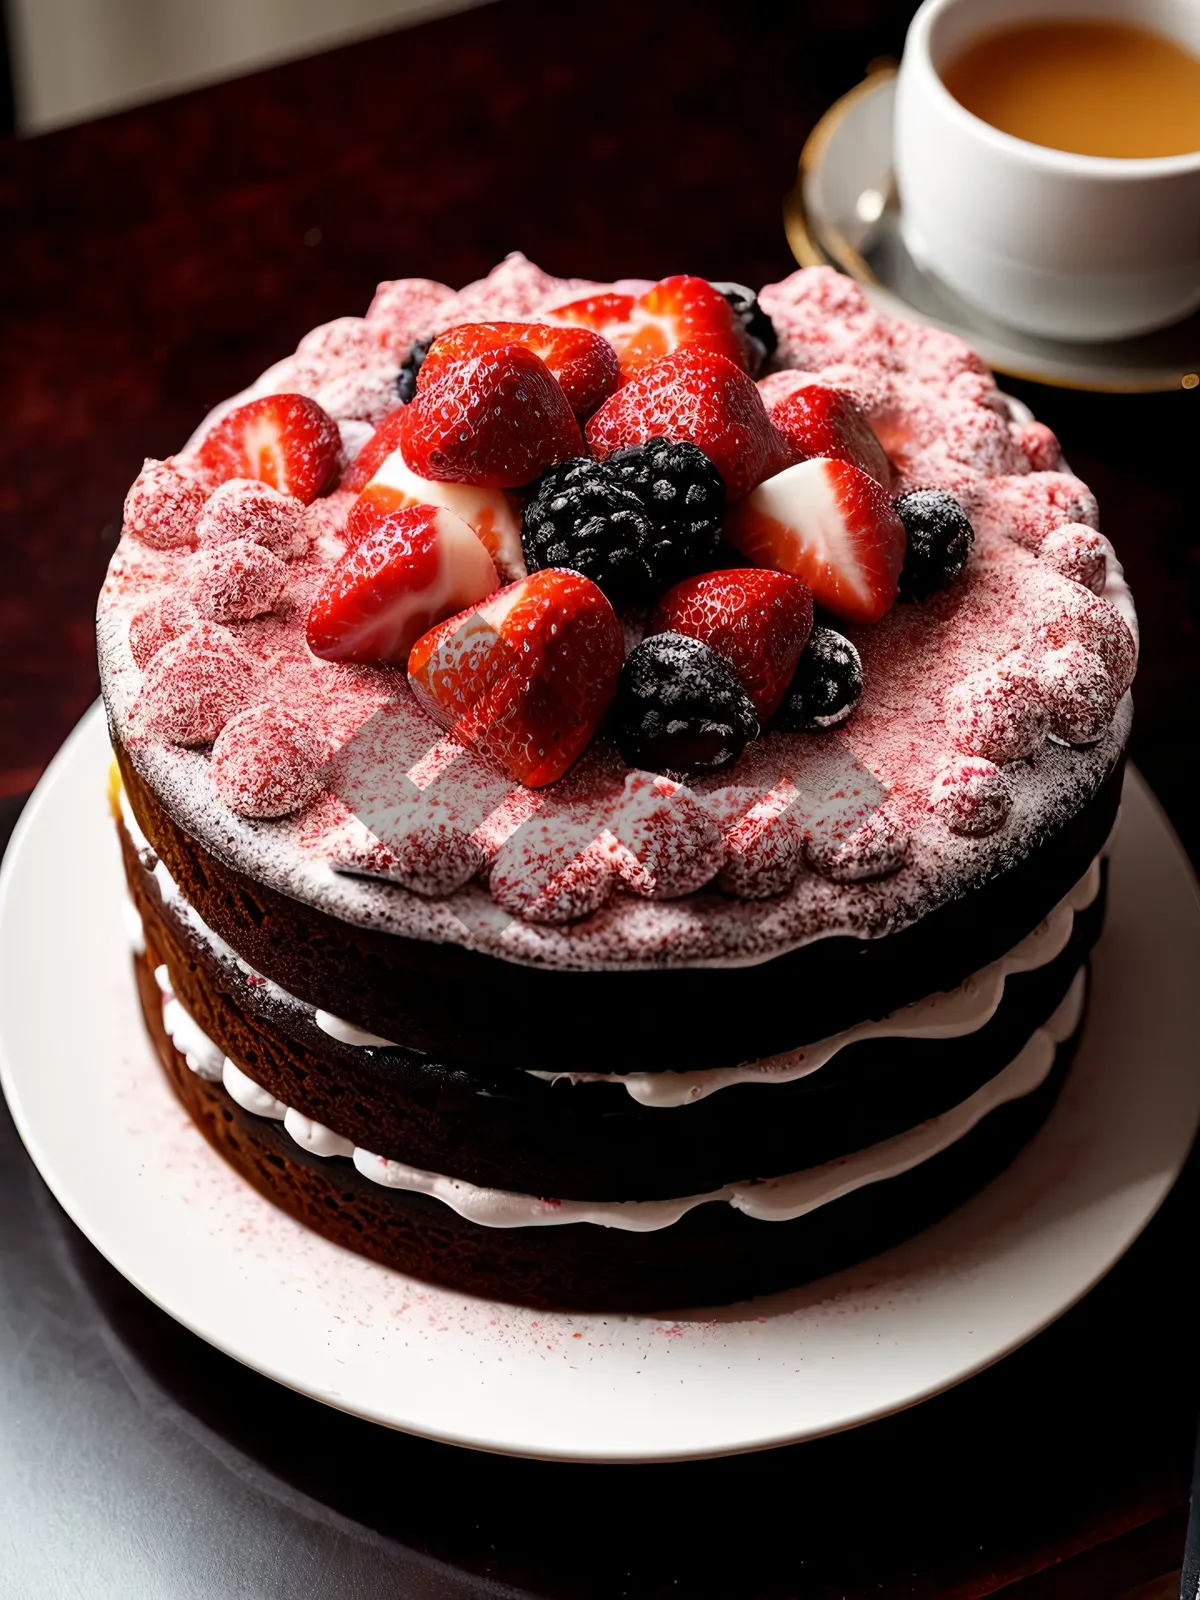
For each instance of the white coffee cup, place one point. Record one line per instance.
(1063, 245)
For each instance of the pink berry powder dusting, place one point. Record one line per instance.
(990, 714)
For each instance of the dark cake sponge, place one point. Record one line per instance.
(713, 1255)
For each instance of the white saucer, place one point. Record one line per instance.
(129, 1167)
(845, 212)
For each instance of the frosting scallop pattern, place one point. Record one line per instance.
(765, 1200)
(959, 676)
(948, 1014)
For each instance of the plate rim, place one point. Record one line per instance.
(785, 1434)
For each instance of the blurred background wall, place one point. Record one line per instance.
(74, 59)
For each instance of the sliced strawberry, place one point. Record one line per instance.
(681, 313)
(411, 569)
(584, 363)
(496, 420)
(526, 677)
(819, 420)
(492, 515)
(831, 525)
(375, 452)
(285, 440)
(756, 620)
(605, 312)
(698, 396)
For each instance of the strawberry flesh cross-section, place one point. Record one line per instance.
(491, 513)
(497, 419)
(831, 525)
(285, 440)
(412, 568)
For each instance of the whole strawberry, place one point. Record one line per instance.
(527, 676)
(756, 620)
(704, 399)
(498, 419)
(819, 420)
(584, 363)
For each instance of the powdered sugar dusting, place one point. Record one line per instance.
(943, 422)
(265, 763)
(235, 581)
(551, 873)
(243, 508)
(163, 505)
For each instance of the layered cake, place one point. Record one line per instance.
(614, 779)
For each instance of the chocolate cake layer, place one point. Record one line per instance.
(713, 1255)
(515, 1132)
(487, 1014)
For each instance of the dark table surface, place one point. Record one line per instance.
(154, 262)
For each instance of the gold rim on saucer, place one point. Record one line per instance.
(1155, 363)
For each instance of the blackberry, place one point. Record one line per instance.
(826, 685)
(939, 540)
(684, 496)
(756, 324)
(580, 517)
(680, 709)
(406, 378)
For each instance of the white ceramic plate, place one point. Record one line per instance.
(129, 1167)
(844, 211)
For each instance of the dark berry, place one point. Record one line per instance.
(826, 685)
(580, 517)
(406, 378)
(939, 540)
(684, 496)
(679, 708)
(756, 324)
(635, 524)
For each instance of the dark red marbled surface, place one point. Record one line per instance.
(155, 261)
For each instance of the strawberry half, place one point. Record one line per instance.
(410, 570)
(681, 313)
(375, 452)
(604, 312)
(818, 420)
(526, 677)
(702, 397)
(831, 525)
(756, 620)
(491, 514)
(285, 440)
(584, 363)
(497, 420)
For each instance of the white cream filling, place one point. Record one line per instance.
(766, 1200)
(949, 1014)
(196, 1048)
(347, 1032)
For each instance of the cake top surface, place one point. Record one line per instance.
(990, 711)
